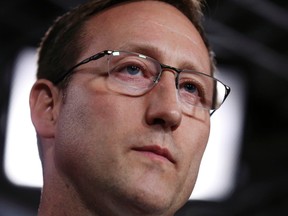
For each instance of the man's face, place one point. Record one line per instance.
(140, 153)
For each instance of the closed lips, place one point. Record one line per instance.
(164, 152)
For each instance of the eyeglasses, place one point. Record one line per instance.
(135, 74)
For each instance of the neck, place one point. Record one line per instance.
(60, 198)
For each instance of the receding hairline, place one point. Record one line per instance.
(103, 19)
(95, 21)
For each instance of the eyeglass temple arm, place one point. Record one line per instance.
(91, 58)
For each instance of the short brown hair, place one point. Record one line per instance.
(61, 44)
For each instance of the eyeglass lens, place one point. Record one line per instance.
(135, 74)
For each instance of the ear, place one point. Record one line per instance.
(45, 101)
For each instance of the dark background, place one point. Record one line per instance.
(249, 36)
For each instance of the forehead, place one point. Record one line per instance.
(150, 27)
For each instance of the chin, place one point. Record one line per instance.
(154, 204)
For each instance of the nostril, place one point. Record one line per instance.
(158, 121)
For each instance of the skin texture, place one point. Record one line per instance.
(93, 141)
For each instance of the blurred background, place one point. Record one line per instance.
(249, 38)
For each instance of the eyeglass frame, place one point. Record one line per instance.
(163, 66)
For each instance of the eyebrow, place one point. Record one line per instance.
(158, 54)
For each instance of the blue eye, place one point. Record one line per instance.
(189, 87)
(133, 70)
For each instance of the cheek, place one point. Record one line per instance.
(196, 141)
(80, 128)
(193, 147)
(91, 125)
(194, 134)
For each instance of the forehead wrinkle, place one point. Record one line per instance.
(195, 40)
(151, 22)
(173, 30)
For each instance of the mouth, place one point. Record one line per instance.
(156, 152)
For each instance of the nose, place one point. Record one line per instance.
(163, 105)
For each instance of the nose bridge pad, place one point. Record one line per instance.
(176, 79)
(171, 69)
(176, 75)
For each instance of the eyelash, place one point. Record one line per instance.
(198, 85)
